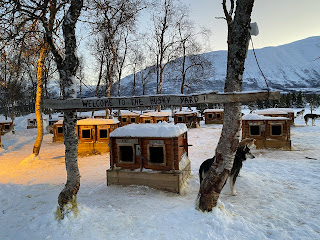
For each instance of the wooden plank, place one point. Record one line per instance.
(242, 97)
(164, 100)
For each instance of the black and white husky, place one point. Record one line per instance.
(312, 116)
(243, 153)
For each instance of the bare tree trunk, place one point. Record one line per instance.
(238, 36)
(42, 58)
(71, 188)
(67, 67)
(134, 82)
(100, 76)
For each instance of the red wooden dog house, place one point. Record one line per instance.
(277, 112)
(154, 155)
(269, 132)
(213, 116)
(154, 117)
(190, 118)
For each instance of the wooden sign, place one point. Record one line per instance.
(153, 101)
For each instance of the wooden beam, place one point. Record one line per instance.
(153, 101)
(243, 97)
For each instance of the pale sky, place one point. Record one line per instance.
(279, 21)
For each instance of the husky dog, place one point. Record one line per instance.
(243, 153)
(312, 116)
(300, 113)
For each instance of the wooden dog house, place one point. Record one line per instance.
(154, 155)
(154, 117)
(127, 117)
(269, 132)
(5, 126)
(83, 115)
(57, 130)
(93, 134)
(190, 118)
(213, 116)
(32, 121)
(100, 114)
(277, 112)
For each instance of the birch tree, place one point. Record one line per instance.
(238, 36)
(23, 12)
(44, 51)
(164, 37)
(67, 65)
(190, 63)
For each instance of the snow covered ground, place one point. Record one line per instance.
(278, 194)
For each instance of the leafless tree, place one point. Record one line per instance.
(238, 36)
(112, 21)
(190, 63)
(164, 36)
(121, 59)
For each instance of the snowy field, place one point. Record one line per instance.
(278, 194)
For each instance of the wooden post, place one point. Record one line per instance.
(111, 153)
(172, 155)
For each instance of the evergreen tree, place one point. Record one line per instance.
(294, 99)
(282, 102)
(260, 104)
(299, 102)
(288, 100)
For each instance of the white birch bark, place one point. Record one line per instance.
(238, 36)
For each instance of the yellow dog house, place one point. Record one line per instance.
(93, 134)
(127, 117)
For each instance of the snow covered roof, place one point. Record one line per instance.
(128, 113)
(213, 110)
(271, 111)
(97, 121)
(156, 114)
(163, 129)
(185, 112)
(32, 116)
(5, 121)
(92, 121)
(60, 122)
(285, 110)
(84, 114)
(254, 116)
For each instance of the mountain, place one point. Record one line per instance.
(289, 67)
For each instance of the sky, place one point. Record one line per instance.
(279, 21)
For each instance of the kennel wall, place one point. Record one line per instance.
(269, 132)
(154, 155)
(213, 116)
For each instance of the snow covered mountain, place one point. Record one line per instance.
(288, 67)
